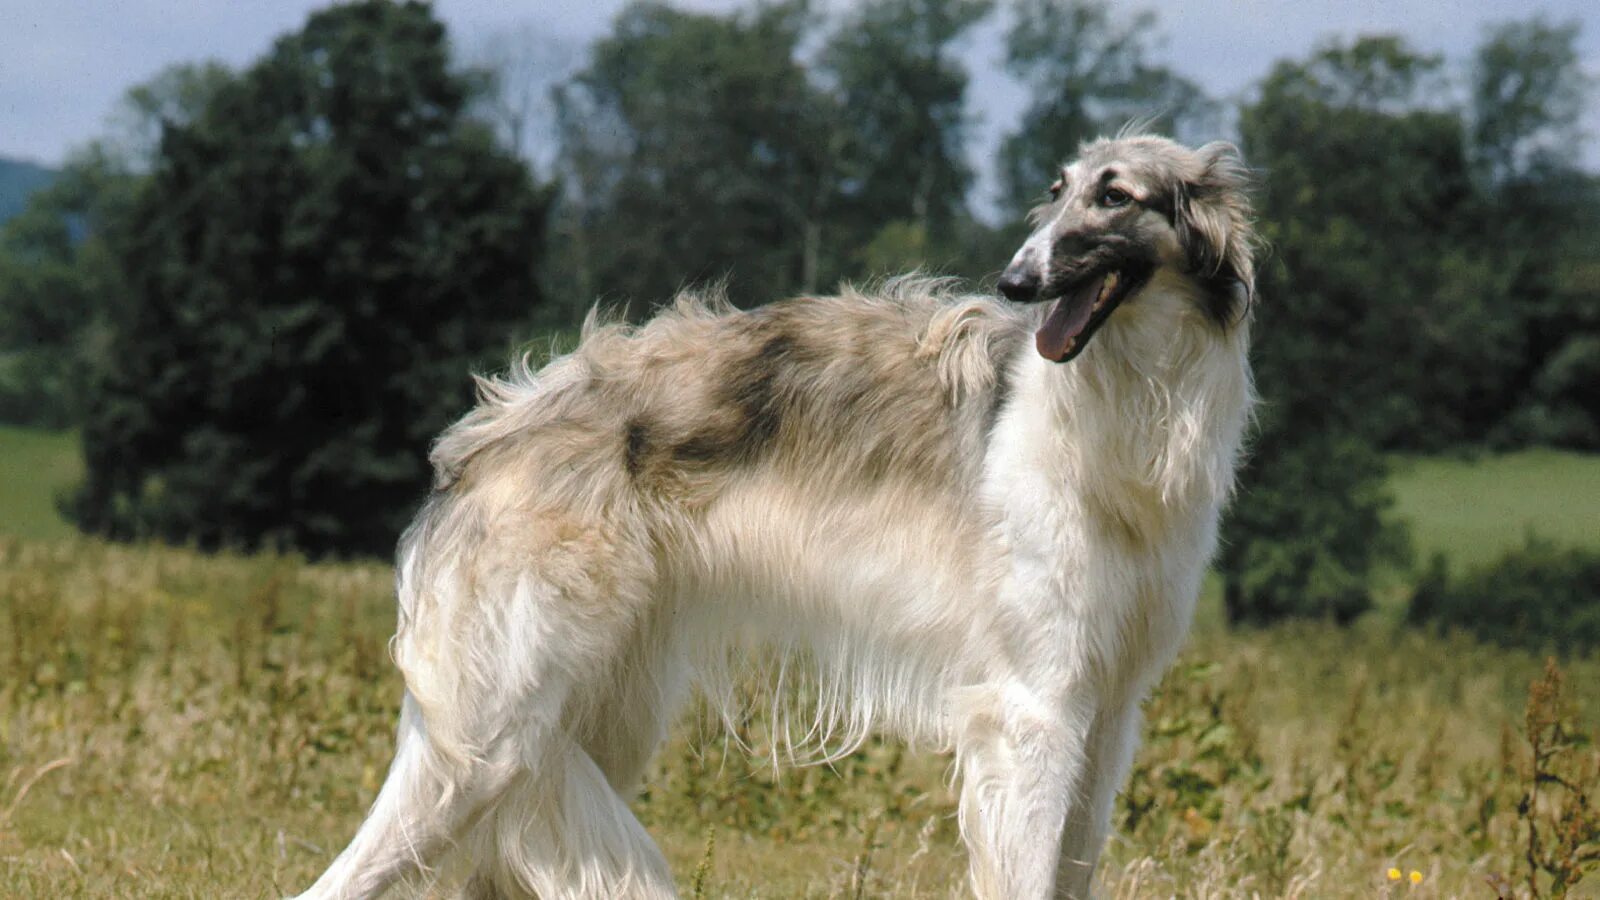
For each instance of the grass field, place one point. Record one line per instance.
(1472, 510)
(33, 466)
(173, 725)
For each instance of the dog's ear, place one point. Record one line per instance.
(1213, 218)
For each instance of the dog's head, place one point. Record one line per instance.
(1127, 210)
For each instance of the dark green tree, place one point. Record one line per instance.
(1309, 528)
(901, 93)
(313, 265)
(695, 150)
(55, 276)
(56, 273)
(1542, 231)
(1361, 176)
(1528, 89)
(1370, 206)
(1088, 74)
(175, 96)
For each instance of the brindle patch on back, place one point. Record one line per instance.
(839, 395)
(748, 408)
(636, 442)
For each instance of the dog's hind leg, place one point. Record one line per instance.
(564, 829)
(563, 833)
(490, 661)
(425, 802)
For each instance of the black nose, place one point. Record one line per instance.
(1019, 284)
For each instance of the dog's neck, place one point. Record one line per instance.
(1150, 417)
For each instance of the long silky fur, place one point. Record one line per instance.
(883, 505)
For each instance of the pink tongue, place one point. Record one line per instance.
(1065, 321)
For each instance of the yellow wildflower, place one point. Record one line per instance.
(1394, 874)
(1416, 877)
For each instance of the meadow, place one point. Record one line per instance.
(34, 465)
(181, 725)
(1473, 509)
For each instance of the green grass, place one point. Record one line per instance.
(33, 466)
(1473, 510)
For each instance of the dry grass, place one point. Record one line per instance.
(173, 725)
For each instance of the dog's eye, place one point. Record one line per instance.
(1113, 197)
(1055, 189)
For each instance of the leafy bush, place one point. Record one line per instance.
(33, 391)
(1307, 530)
(1538, 596)
(1564, 410)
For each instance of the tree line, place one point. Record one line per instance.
(259, 294)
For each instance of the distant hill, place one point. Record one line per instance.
(18, 179)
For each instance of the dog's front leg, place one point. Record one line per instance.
(1021, 754)
(1112, 742)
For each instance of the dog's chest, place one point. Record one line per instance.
(1120, 596)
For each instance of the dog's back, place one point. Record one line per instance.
(895, 384)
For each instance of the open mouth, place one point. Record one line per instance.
(1080, 311)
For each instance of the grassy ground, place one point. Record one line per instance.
(33, 466)
(1472, 510)
(173, 725)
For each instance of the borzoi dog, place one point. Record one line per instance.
(978, 524)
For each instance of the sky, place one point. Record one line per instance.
(64, 63)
